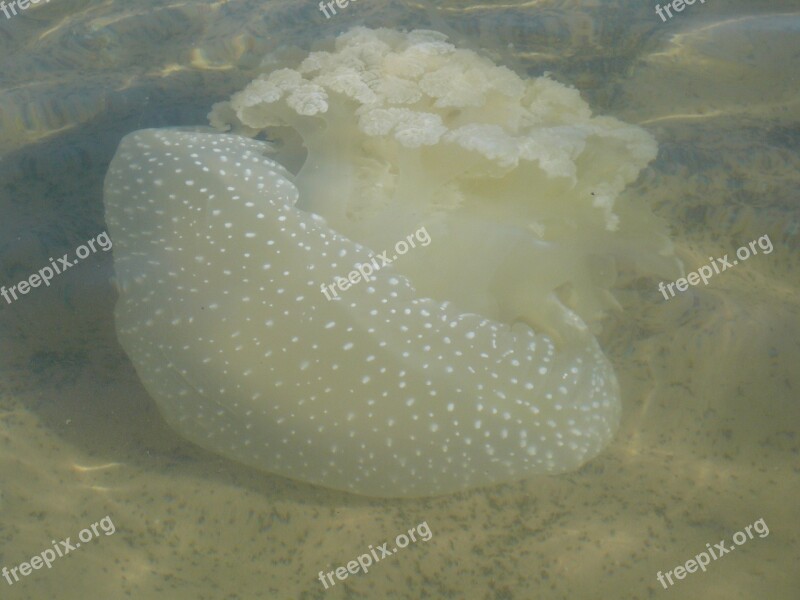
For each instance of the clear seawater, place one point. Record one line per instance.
(710, 435)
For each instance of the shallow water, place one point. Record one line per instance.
(708, 443)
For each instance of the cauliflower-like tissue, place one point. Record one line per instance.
(465, 362)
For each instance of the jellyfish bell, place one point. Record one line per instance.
(463, 363)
